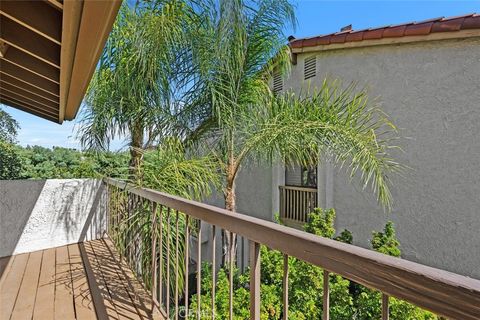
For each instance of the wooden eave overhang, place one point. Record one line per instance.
(48, 53)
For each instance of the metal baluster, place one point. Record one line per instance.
(128, 243)
(108, 209)
(254, 280)
(154, 253)
(187, 240)
(385, 307)
(326, 295)
(118, 212)
(214, 240)
(160, 275)
(230, 276)
(176, 265)
(199, 268)
(285, 286)
(168, 264)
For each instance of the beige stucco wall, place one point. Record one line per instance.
(432, 93)
(42, 214)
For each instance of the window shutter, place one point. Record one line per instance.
(277, 82)
(310, 67)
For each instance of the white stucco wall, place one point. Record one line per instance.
(432, 93)
(40, 214)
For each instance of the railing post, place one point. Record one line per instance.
(385, 308)
(326, 295)
(254, 280)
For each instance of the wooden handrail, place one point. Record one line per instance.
(306, 189)
(442, 292)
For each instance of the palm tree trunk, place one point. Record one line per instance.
(228, 238)
(136, 144)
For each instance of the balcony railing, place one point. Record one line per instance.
(296, 203)
(444, 293)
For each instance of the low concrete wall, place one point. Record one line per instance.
(40, 214)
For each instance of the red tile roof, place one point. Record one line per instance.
(442, 24)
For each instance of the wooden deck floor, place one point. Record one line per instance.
(78, 281)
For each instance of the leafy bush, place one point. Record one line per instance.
(348, 300)
(386, 241)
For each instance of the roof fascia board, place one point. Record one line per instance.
(462, 34)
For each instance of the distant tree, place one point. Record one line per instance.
(8, 127)
(10, 161)
(65, 163)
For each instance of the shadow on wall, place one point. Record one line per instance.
(17, 200)
(79, 206)
(41, 214)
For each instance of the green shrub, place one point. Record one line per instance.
(348, 300)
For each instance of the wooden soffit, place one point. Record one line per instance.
(48, 53)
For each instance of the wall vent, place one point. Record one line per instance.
(310, 67)
(277, 82)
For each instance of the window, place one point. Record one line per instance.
(310, 67)
(277, 82)
(300, 176)
(309, 177)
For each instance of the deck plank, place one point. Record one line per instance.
(114, 280)
(84, 308)
(78, 281)
(10, 285)
(64, 306)
(97, 280)
(139, 294)
(45, 301)
(28, 290)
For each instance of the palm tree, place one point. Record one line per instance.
(130, 94)
(235, 49)
(169, 169)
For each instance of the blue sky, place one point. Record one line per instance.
(314, 17)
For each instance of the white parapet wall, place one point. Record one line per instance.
(41, 214)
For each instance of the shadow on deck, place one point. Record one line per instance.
(78, 281)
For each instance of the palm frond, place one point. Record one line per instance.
(335, 122)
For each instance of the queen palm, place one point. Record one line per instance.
(131, 97)
(235, 49)
(130, 94)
